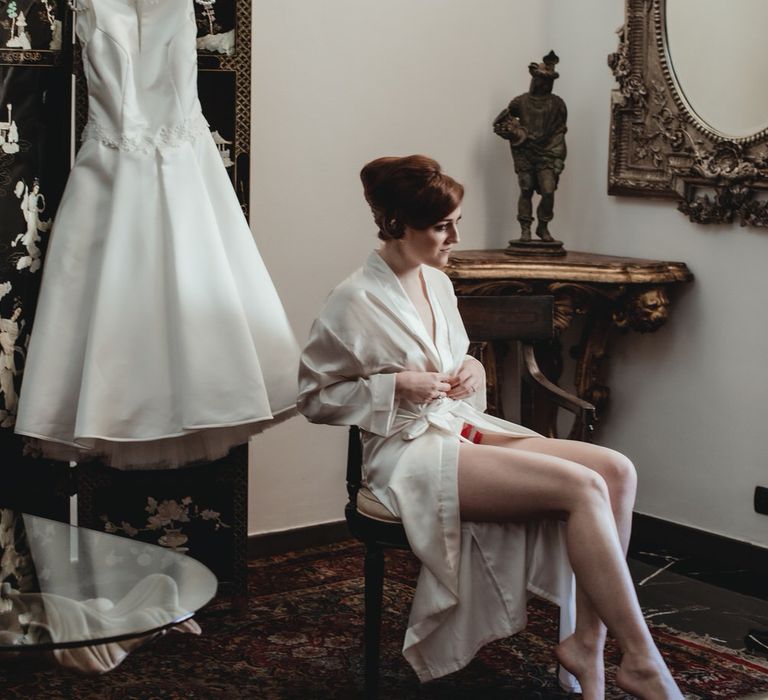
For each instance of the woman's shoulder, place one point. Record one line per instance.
(349, 290)
(346, 299)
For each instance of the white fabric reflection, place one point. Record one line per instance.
(151, 604)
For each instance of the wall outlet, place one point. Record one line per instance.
(761, 500)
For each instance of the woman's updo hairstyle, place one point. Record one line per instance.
(410, 191)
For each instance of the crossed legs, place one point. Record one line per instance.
(520, 478)
(584, 650)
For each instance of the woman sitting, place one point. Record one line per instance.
(482, 500)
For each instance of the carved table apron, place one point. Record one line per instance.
(609, 292)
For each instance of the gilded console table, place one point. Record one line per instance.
(608, 292)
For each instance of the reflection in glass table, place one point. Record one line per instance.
(88, 596)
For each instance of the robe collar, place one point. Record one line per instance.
(396, 300)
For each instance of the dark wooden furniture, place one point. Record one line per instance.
(594, 297)
(38, 96)
(488, 319)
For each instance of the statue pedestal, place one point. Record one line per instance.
(536, 248)
(608, 292)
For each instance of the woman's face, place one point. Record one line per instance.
(431, 246)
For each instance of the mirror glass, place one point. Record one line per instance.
(719, 55)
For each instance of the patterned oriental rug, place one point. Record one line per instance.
(302, 639)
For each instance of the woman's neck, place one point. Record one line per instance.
(403, 268)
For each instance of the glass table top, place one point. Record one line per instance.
(64, 586)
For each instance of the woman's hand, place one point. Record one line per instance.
(469, 379)
(421, 387)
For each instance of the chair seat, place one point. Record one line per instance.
(371, 507)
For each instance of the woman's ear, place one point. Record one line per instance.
(394, 227)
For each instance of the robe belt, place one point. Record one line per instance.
(439, 414)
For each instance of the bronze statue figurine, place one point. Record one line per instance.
(534, 125)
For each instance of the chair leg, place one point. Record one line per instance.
(374, 586)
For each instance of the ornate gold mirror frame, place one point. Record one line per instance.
(659, 147)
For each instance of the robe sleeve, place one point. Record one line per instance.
(478, 400)
(334, 387)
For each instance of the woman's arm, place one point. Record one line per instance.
(335, 388)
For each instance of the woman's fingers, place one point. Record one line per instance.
(464, 389)
(441, 390)
(458, 386)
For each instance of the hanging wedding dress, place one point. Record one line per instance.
(159, 338)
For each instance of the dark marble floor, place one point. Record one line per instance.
(693, 595)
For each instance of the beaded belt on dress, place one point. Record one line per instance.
(144, 141)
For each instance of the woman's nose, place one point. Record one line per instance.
(455, 238)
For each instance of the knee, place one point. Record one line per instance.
(525, 180)
(547, 182)
(619, 473)
(590, 487)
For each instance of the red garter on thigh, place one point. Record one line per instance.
(471, 434)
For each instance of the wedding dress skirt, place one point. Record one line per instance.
(159, 338)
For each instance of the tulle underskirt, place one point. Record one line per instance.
(168, 452)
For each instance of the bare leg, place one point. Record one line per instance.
(616, 469)
(582, 653)
(502, 484)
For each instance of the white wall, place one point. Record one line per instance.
(686, 400)
(335, 84)
(339, 82)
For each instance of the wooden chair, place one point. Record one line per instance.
(488, 319)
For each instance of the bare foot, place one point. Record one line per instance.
(647, 678)
(586, 663)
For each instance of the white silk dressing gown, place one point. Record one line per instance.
(475, 577)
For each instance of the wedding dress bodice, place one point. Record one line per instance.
(140, 62)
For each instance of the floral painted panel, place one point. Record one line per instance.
(34, 163)
(200, 510)
(216, 26)
(16, 567)
(31, 25)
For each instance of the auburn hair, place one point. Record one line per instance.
(409, 191)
